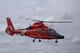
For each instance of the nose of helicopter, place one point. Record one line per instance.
(60, 37)
(63, 37)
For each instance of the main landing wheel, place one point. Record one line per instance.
(22, 35)
(39, 40)
(33, 40)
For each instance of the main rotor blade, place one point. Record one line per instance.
(57, 21)
(22, 17)
(47, 21)
(32, 19)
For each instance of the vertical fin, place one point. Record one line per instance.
(10, 28)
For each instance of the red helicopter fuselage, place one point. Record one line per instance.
(37, 31)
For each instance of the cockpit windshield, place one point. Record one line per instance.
(52, 32)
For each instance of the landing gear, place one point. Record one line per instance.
(22, 35)
(39, 40)
(33, 40)
(56, 41)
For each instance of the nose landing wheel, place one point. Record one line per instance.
(56, 41)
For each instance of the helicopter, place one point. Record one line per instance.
(36, 31)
